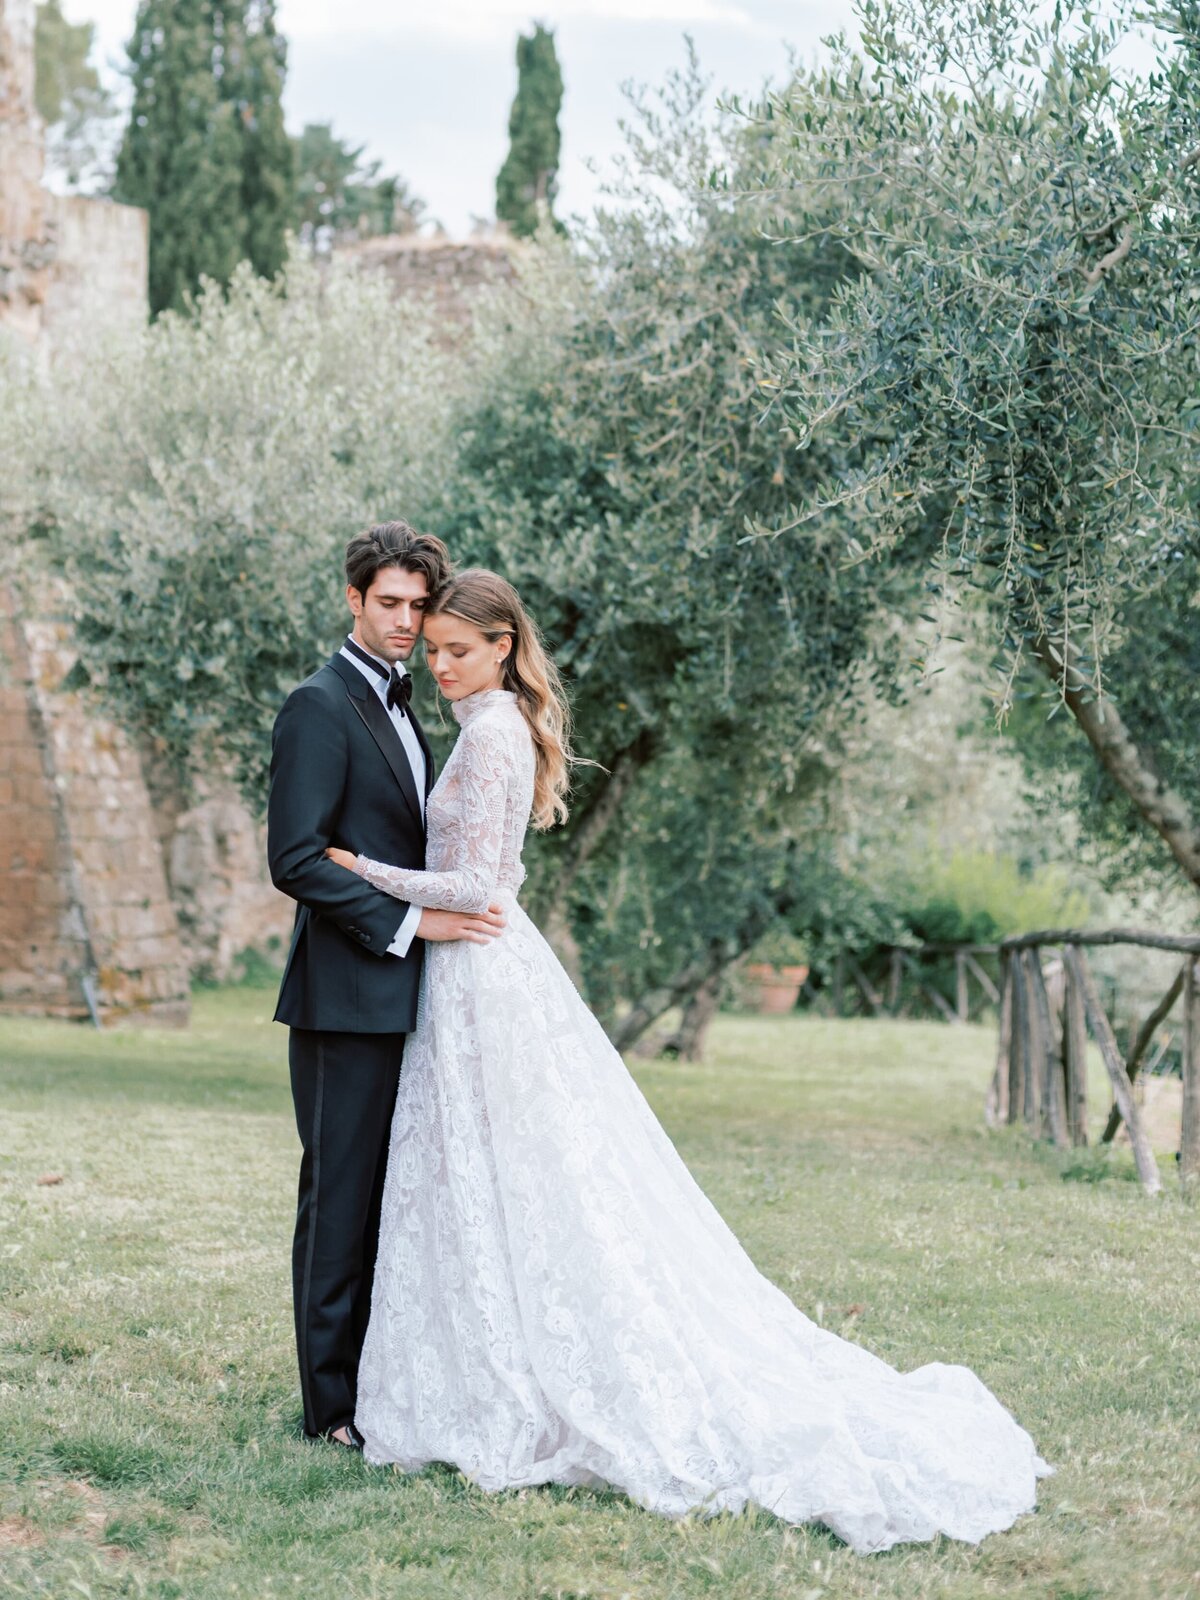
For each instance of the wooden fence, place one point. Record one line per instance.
(882, 998)
(1041, 1068)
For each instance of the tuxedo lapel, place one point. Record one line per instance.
(372, 712)
(379, 725)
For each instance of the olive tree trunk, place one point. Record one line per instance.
(1128, 765)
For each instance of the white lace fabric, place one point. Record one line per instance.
(555, 1298)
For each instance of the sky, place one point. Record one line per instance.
(427, 85)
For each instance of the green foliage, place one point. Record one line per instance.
(931, 897)
(691, 864)
(70, 98)
(611, 474)
(205, 151)
(527, 182)
(978, 896)
(201, 483)
(179, 157)
(841, 910)
(338, 195)
(1019, 354)
(779, 948)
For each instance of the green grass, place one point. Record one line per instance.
(149, 1407)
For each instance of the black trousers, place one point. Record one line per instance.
(344, 1090)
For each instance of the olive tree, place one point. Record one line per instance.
(612, 474)
(1018, 354)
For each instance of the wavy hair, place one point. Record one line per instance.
(490, 603)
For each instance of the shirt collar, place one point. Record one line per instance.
(350, 656)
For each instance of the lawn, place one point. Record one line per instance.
(149, 1408)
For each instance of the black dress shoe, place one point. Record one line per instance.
(352, 1441)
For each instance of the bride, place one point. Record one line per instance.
(555, 1299)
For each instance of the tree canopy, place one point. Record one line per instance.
(1019, 351)
(71, 100)
(205, 151)
(339, 195)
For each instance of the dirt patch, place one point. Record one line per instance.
(18, 1533)
(91, 1505)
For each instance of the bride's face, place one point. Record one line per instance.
(461, 659)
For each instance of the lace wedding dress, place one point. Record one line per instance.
(556, 1301)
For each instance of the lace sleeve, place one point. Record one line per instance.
(483, 769)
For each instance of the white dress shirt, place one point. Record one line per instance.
(406, 932)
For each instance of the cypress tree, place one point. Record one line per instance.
(256, 64)
(205, 151)
(526, 185)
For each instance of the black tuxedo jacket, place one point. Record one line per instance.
(339, 776)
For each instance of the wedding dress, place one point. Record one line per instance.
(556, 1300)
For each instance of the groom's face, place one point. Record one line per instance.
(389, 617)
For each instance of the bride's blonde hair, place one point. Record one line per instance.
(491, 604)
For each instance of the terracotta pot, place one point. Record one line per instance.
(778, 988)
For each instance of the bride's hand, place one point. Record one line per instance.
(344, 858)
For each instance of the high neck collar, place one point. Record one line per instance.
(471, 705)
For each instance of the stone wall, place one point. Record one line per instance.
(27, 246)
(66, 261)
(448, 271)
(101, 267)
(214, 852)
(86, 919)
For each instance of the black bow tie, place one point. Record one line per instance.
(399, 690)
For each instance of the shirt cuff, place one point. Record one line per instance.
(405, 933)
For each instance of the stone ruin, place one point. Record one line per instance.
(62, 257)
(87, 924)
(114, 893)
(444, 271)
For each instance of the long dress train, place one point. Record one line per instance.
(556, 1300)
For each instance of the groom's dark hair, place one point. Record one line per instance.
(395, 544)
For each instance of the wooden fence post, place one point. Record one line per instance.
(982, 977)
(865, 987)
(1189, 1140)
(962, 1003)
(1053, 1108)
(894, 966)
(1074, 1049)
(1016, 1046)
(1031, 1042)
(1123, 1090)
(995, 1108)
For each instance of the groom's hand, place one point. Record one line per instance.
(445, 927)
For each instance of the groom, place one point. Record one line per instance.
(351, 767)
